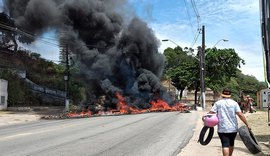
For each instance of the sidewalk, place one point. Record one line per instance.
(16, 116)
(194, 148)
(10, 118)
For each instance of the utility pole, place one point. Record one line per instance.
(66, 78)
(202, 69)
(264, 8)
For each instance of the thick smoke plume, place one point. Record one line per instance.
(113, 54)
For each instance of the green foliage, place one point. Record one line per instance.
(221, 65)
(41, 72)
(46, 73)
(77, 92)
(15, 89)
(249, 85)
(181, 67)
(18, 94)
(222, 70)
(35, 55)
(51, 75)
(233, 85)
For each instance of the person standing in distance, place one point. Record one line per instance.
(226, 110)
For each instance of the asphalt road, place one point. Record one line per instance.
(150, 134)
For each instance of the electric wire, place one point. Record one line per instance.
(40, 38)
(196, 12)
(195, 39)
(189, 17)
(26, 34)
(7, 28)
(198, 22)
(24, 31)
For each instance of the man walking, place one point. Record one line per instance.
(226, 110)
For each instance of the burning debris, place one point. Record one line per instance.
(116, 56)
(124, 108)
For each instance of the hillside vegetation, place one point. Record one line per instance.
(40, 71)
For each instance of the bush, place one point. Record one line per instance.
(18, 93)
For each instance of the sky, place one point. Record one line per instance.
(236, 21)
(179, 20)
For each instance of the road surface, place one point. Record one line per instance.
(149, 134)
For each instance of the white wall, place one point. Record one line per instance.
(265, 97)
(3, 94)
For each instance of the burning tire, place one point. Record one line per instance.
(208, 138)
(249, 140)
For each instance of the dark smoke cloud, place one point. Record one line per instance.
(33, 16)
(111, 52)
(139, 43)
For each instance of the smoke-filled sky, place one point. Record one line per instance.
(113, 50)
(238, 22)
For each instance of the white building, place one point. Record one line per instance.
(3, 94)
(264, 98)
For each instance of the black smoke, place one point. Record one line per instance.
(112, 53)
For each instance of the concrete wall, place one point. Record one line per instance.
(3, 94)
(209, 96)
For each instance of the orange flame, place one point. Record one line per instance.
(79, 115)
(181, 107)
(159, 105)
(123, 108)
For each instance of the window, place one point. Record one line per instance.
(2, 102)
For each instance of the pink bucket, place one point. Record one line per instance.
(210, 120)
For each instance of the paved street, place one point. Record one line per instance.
(147, 134)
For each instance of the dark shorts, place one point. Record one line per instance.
(227, 139)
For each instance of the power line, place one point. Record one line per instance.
(197, 19)
(25, 34)
(15, 29)
(189, 17)
(41, 39)
(195, 39)
(196, 12)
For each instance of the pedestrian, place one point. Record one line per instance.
(226, 110)
(249, 104)
(241, 106)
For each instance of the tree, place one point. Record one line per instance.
(222, 70)
(18, 94)
(221, 65)
(181, 67)
(244, 83)
(249, 84)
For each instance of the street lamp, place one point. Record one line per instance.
(166, 40)
(202, 71)
(224, 40)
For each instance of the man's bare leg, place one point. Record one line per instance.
(231, 150)
(225, 151)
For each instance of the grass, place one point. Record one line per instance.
(260, 128)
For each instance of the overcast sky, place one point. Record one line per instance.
(236, 21)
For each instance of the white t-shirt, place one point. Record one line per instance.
(226, 111)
